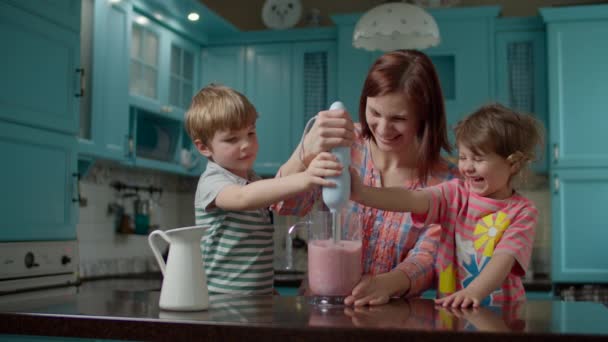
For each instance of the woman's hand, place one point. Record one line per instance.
(378, 289)
(463, 299)
(331, 128)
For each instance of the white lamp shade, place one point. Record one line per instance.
(396, 25)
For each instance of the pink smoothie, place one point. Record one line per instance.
(333, 268)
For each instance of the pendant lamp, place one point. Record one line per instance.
(396, 25)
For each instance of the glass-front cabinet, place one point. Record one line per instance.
(163, 66)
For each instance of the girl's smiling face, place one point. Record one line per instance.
(487, 174)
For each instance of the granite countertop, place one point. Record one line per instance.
(108, 311)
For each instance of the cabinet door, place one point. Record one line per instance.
(521, 77)
(577, 92)
(38, 182)
(313, 69)
(109, 121)
(63, 12)
(182, 73)
(224, 65)
(268, 88)
(39, 67)
(145, 65)
(579, 226)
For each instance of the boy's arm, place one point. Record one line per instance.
(265, 192)
(395, 199)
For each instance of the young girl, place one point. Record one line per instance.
(490, 225)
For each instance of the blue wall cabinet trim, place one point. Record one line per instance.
(579, 217)
(64, 13)
(39, 184)
(577, 93)
(275, 36)
(39, 72)
(521, 72)
(574, 13)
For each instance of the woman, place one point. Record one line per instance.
(398, 142)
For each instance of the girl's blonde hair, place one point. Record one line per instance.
(217, 108)
(495, 128)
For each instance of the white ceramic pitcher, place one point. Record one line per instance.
(184, 281)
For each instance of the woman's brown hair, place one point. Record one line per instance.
(411, 73)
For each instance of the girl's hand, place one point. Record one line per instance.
(376, 290)
(356, 184)
(463, 298)
(331, 128)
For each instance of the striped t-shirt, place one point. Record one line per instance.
(474, 228)
(238, 245)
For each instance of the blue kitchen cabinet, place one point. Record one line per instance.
(65, 13)
(463, 59)
(41, 76)
(105, 121)
(224, 65)
(577, 85)
(578, 160)
(39, 184)
(521, 72)
(313, 72)
(163, 67)
(267, 85)
(579, 217)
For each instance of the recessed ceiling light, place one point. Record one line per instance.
(141, 20)
(193, 16)
(158, 16)
(114, 1)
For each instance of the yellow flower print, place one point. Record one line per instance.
(491, 231)
(447, 280)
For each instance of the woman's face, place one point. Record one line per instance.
(392, 121)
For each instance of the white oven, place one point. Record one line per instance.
(36, 265)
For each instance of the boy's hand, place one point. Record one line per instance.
(323, 165)
(464, 298)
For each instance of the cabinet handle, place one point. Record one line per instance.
(130, 145)
(555, 153)
(76, 175)
(555, 184)
(82, 82)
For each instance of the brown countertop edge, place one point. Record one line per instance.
(155, 330)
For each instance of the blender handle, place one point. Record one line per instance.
(291, 231)
(157, 255)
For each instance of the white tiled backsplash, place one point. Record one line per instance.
(105, 252)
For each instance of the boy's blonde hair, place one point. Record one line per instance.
(217, 108)
(495, 128)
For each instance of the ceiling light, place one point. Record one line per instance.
(396, 25)
(141, 20)
(193, 16)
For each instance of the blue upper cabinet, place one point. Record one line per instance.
(104, 120)
(578, 72)
(163, 66)
(224, 65)
(65, 13)
(521, 71)
(268, 84)
(463, 59)
(41, 76)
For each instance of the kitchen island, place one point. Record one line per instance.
(135, 315)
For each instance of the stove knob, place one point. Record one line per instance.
(30, 260)
(65, 260)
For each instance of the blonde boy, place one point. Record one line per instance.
(231, 200)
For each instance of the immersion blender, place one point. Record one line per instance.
(336, 198)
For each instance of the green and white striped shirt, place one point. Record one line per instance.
(238, 245)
